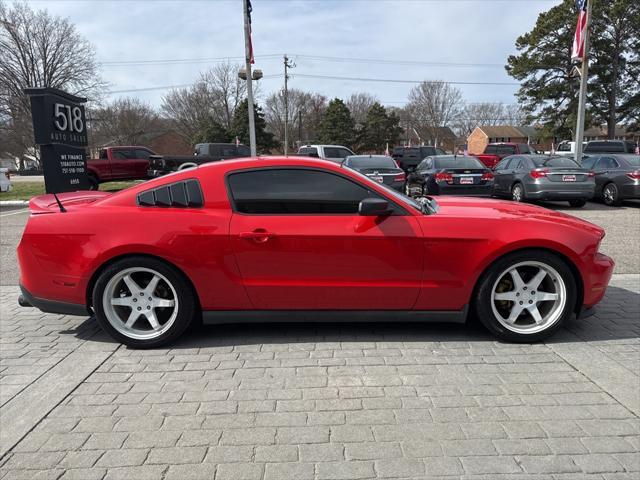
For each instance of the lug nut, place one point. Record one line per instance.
(142, 294)
(517, 294)
(521, 303)
(530, 301)
(139, 308)
(524, 288)
(148, 307)
(135, 299)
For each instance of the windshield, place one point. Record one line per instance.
(556, 162)
(371, 162)
(457, 162)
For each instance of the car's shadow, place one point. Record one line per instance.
(590, 206)
(615, 319)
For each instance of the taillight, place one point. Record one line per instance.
(591, 174)
(487, 176)
(443, 176)
(634, 175)
(539, 173)
(401, 177)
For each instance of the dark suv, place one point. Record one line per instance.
(408, 158)
(610, 146)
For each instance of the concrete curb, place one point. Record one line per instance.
(14, 203)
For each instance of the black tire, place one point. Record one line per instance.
(483, 295)
(94, 184)
(577, 203)
(517, 193)
(611, 195)
(184, 293)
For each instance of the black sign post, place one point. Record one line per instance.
(60, 129)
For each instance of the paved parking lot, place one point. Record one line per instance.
(325, 401)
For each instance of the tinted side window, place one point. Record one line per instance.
(439, 151)
(295, 191)
(245, 151)
(524, 148)
(330, 152)
(506, 150)
(144, 154)
(103, 154)
(606, 162)
(503, 165)
(491, 149)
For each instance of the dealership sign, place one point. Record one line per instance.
(60, 129)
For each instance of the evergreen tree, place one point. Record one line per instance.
(378, 129)
(240, 127)
(337, 126)
(549, 91)
(212, 132)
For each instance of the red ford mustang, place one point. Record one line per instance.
(294, 239)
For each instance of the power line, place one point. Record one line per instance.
(168, 87)
(389, 80)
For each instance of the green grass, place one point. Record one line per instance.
(26, 190)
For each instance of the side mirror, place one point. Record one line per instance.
(374, 207)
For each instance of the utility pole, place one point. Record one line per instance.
(584, 80)
(299, 127)
(287, 65)
(248, 55)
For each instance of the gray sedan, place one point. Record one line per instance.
(541, 177)
(617, 176)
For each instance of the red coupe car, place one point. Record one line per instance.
(296, 239)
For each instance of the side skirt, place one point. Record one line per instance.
(215, 317)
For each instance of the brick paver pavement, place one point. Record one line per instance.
(322, 402)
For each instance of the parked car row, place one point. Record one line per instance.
(609, 177)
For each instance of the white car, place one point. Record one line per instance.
(566, 148)
(335, 153)
(5, 180)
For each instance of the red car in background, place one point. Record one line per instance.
(297, 239)
(494, 152)
(118, 163)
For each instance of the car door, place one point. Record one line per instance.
(301, 245)
(499, 173)
(507, 174)
(605, 169)
(141, 162)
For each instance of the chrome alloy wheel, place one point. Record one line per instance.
(528, 297)
(140, 303)
(610, 193)
(517, 193)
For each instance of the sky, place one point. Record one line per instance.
(466, 41)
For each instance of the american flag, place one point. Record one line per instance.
(577, 53)
(249, 10)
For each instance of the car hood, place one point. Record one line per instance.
(498, 209)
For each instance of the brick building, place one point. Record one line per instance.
(484, 135)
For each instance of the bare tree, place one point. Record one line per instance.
(476, 114)
(433, 105)
(305, 114)
(124, 121)
(359, 104)
(39, 50)
(214, 97)
(515, 115)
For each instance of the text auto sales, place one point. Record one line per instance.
(64, 137)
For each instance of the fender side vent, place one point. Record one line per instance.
(185, 194)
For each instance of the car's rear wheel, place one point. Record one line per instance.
(517, 193)
(526, 296)
(143, 302)
(577, 203)
(611, 195)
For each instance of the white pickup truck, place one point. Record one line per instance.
(335, 153)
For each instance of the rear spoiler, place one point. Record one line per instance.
(48, 203)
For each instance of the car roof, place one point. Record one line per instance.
(271, 161)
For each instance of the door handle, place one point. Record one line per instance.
(259, 235)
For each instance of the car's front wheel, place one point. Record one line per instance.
(143, 302)
(526, 296)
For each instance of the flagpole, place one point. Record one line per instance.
(247, 50)
(584, 80)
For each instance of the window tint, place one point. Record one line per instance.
(426, 151)
(120, 154)
(143, 154)
(330, 152)
(103, 154)
(606, 162)
(245, 151)
(605, 147)
(458, 162)
(439, 151)
(309, 151)
(229, 151)
(564, 147)
(491, 150)
(372, 162)
(589, 162)
(506, 150)
(555, 162)
(504, 164)
(295, 191)
(524, 148)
